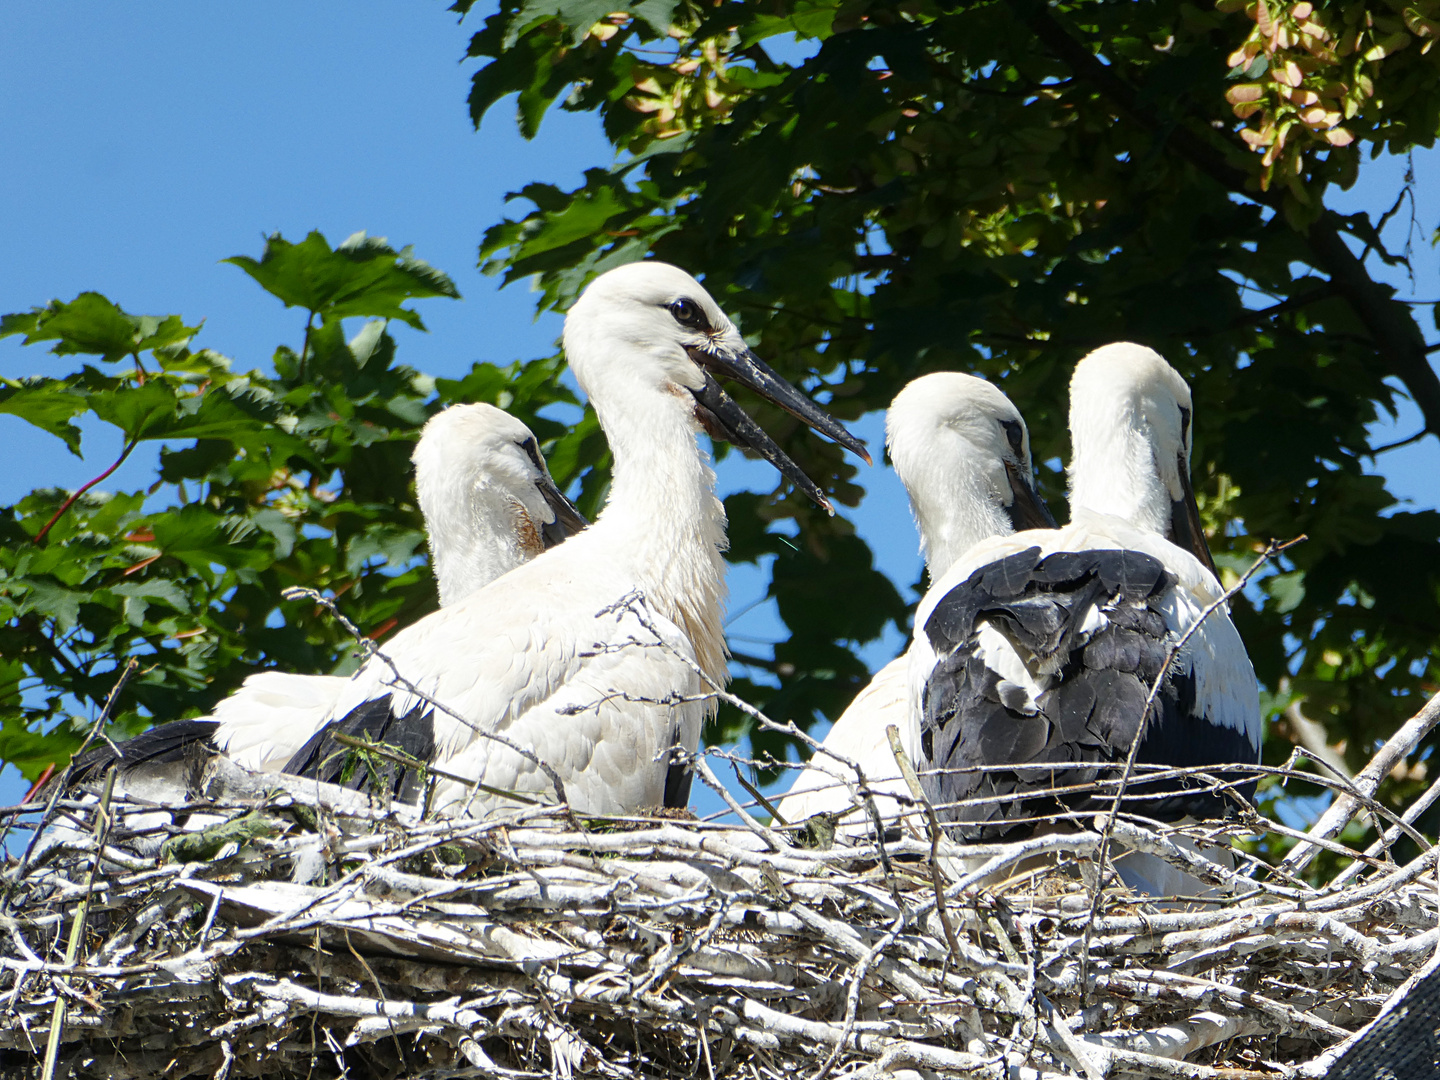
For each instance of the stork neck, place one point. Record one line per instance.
(1114, 471)
(956, 513)
(956, 496)
(665, 518)
(661, 480)
(472, 527)
(469, 550)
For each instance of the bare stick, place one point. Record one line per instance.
(770, 836)
(1366, 782)
(1418, 807)
(125, 453)
(77, 926)
(907, 770)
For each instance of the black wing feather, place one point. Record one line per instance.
(677, 785)
(1090, 715)
(165, 744)
(413, 734)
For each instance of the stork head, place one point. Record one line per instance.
(648, 325)
(1130, 435)
(963, 453)
(488, 499)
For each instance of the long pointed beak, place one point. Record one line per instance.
(1185, 529)
(1026, 510)
(568, 519)
(722, 416)
(745, 367)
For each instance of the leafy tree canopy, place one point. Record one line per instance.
(995, 187)
(1001, 186)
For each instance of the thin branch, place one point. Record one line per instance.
(305, 345)
(77, 926)
(35, 629)
(97, 730)
(781, 668)
(907, 770)
(1293, 303)
(125, 453)
(1339, 813)
(1383, 842)
(1401, 442)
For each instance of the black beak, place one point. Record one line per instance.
(723, 417)
(1185, 530)
(747, 368)
(1026, 510)
(568, 520)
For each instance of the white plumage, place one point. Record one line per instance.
(963, 453)
(487, 497)
(1037, 650)
(599, 656)
(489, 505)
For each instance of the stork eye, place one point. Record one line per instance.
(689, 314)
(532, 451)
(1015, 435)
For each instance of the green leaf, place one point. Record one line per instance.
(363, 276)
(137, 410)
(93, 324)
(365, 343)
(25, 744)
(577, 16)
(394, 543)
(52, 602)
(139, 594)
(49, 404)
(1287, 590)
(280, 527)
(805, 20)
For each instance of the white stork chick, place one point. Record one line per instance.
(489, 504)
(1038, 650)
(601, 656)
(963, 453)
(488, 500)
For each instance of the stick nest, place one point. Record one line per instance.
(309, 932)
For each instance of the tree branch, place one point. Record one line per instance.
(1293, 303)
(1394, 333)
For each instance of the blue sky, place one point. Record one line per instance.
(141, 144)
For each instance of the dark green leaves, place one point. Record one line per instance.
(363, 276)
(538, 48)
